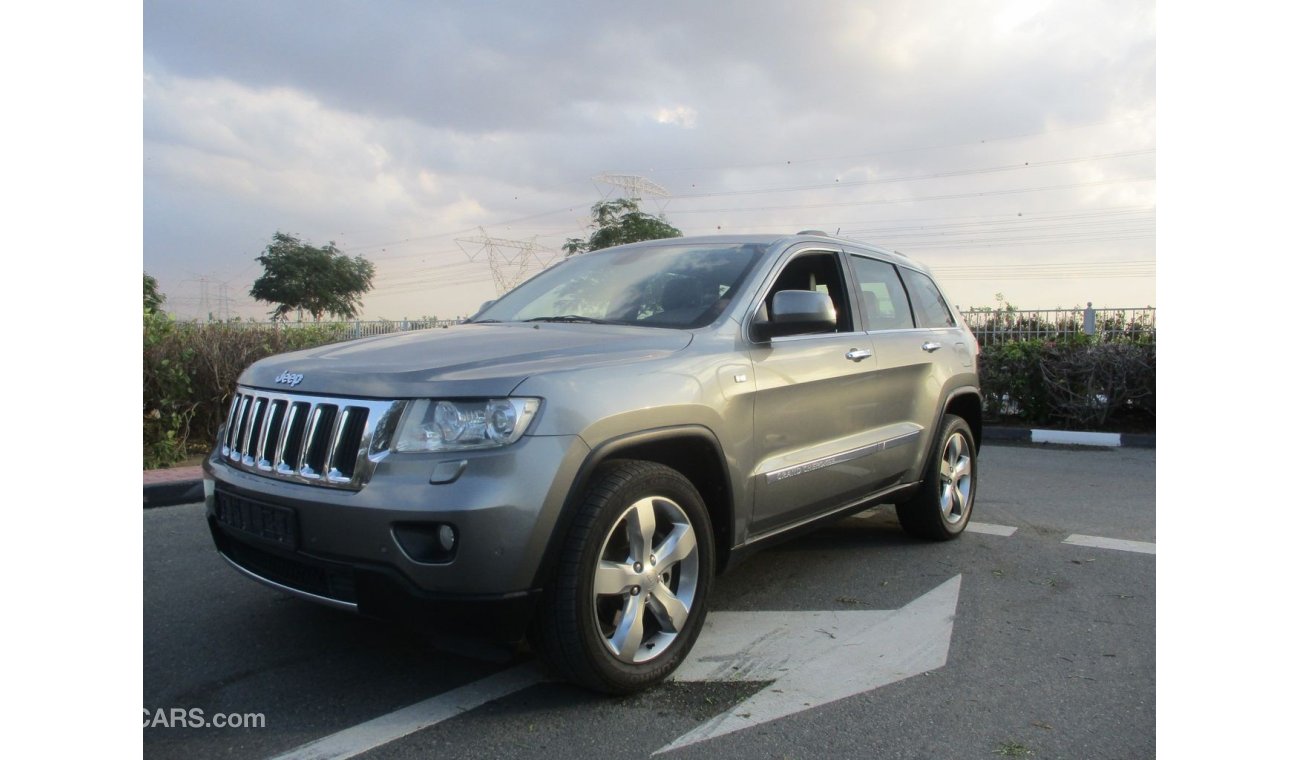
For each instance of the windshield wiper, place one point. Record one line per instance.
(570, 318)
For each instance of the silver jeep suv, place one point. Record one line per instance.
(578, 461)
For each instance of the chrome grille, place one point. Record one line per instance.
(318, 440)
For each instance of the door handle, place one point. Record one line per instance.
(858, 354)
(931, 347)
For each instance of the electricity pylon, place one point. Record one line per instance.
(511, 261)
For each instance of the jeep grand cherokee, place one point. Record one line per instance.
(578, 461)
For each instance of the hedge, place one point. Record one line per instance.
(1076, 384)
(190, 370)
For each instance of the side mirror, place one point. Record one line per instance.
(796, 312)
(484, 307)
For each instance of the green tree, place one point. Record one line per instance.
(318, 281)
(153, 298)
(617, 222)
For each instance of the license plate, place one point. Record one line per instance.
(268, 522)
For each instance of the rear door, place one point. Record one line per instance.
(908, 380)
(945, 341)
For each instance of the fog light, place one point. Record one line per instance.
(447, 538)
(427, 543)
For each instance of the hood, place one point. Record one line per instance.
(461, 361)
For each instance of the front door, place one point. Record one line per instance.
(816, 416)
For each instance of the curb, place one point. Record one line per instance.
(170, 487)
(1070, 437)
(172, 494)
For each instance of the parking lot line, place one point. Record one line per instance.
(1124, 545)
(990, 528)
(386, 728)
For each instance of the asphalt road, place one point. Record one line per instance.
(1052, 647)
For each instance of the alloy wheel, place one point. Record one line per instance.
(645, 579)
(955, 479)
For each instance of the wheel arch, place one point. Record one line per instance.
(692, 450)
(967, 404)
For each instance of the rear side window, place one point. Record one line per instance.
(883, 298)
(931, 311)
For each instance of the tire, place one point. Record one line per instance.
(608, 621)
(942, 507)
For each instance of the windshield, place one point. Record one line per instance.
(681, 286)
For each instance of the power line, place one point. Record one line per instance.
(1058, 271)
(1011, 243)
(893, 151)
(933, 175)
(917, 199)
(571, 208)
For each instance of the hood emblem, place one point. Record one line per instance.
(289, 378)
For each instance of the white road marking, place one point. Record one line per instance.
(812, 658)
(1077, 438)
(1124, 545)
(386, 728)
(990, 528)
(815, 657)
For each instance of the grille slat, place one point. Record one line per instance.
(270, 434)
(305, 439)
(340, 422)
(229, 433)
(310, 442)
(251, 435)
(241, 420)
(292, 444)
(344, 448)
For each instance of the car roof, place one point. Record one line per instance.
(781, 242)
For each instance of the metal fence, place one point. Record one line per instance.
(1005, 325)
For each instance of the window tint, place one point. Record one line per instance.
(883, 298)
(819, 272)
(930, 309)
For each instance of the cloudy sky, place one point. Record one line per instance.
(1009, 145)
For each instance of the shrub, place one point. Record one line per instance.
(190, 371)
(1075, 382)
(1088, 384)
(168, 400)
(1011, 380)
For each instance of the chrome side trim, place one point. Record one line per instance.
(814, 336)
(844, 456)
(337, 604)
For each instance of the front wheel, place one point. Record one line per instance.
(942, 507)
(628, 599)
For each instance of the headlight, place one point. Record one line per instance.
(432, 425)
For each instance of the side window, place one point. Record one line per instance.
(930, 309)
(818, 272)
(884, 301)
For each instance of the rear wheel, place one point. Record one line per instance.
(628, 600)
(942, 507)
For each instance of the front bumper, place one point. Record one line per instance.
(378, 591)
(343, 548)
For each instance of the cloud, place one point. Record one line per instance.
(394, 129)
(681, 116)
